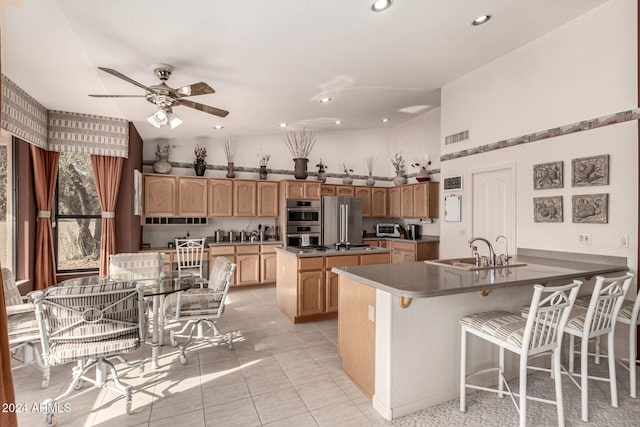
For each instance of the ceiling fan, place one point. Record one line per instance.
(165, 98)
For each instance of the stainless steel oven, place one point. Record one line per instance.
(304, 224)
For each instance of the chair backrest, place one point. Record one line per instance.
(190, 253)
(221, 277)
(548, 315)
(94, 314)
(136, 266)
(606, 300)
(11, 292)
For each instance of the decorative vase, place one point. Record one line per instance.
(370, 181)
(347, 180)
(399, 179)
(162, 165)
(230, 172)
(200, 166)
(300, 171)
(422, 175)
(263, 172)
(322, 177)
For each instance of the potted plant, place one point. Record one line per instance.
(370, 161)
(348, 180)
(263, 159)
(423, 173)
(300, 144)
(229, 151)
(200, 164)
(162, 165)
(398, 164)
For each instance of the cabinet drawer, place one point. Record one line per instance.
(341, 261)
(405, 246)
(247, 249)
(370, 242)
(374, 259)
(269, 249)
(311, 263)
(222, 250)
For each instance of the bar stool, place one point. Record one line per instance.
(539, 333)
(629, 316)
(594, 322)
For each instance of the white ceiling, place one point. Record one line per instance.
(269, 61)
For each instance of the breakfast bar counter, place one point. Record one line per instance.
(398, 331)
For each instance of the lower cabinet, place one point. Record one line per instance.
(411, 251)
(248, 269)
(267, 268)
(255, 264)
(310, 293)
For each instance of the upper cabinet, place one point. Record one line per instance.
(301, 190)
(365, 194)
(327, 190)
(220, 197)
(192, 197)
(394, 202)
(267, 198)
(419, 200)
(244, 198)
(345, 190)
(378, 202)
(160, 195)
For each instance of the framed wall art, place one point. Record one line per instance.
(590, 171)
(548, 175)
(547, 209)
(590, 208)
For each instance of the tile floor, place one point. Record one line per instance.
(279, 374)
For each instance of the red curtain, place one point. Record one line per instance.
(106, 173)
(45, 173)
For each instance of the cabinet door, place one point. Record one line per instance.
(268, 268)
(220, 197)
(420, 200)
(310, 292)
(160, 195)
(244, 198)
(294, 190)
(268, 199)
(331, 292)
(312, 190)
(365, 194)
(394, 202)
(400, 256)
(192, 197)
(406, 201)
(248, 269)
(378, 202)
(327, 190)
(344, 190)
(370, 242)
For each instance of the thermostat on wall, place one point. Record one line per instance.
(453, 183)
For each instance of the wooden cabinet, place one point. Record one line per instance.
(267, 199)
(255, 264)
(394, 202)
(160, 196)
(244, 198)
(268, 263)
(310, 293)
(345, 190)
(370, 242)
(248, 269)
(192, 200)
(378, 202)
(327, 190)
(408, 251)
(406, 201)
(420, 200)
(229, 252)
(220, 197)
(301, 190)
(331, 279)
(365, 194)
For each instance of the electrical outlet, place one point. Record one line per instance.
(462, 231)
(584, 239)
(623, 241)
(372, 316)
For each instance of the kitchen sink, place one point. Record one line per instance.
(469, 264)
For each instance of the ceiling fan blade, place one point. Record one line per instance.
(200, 88)
(117, 96)
(123, 77)
(204, 108)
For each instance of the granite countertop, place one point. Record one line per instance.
(307, 253)
(423, 239)
(422, 280)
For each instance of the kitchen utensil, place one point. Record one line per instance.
(232, 235)
(218, 235)
(413, 231)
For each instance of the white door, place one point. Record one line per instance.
(494, 212)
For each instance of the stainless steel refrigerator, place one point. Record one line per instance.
(341, 220)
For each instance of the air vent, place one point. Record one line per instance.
(179, 220)
(456, 137)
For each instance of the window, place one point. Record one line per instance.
(7, 201)
(78, 225)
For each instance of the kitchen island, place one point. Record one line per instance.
(306, 288)
(399, 336)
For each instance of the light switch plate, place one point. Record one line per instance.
(372, 315)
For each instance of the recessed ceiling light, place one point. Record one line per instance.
(385, 120)
(325, 100)
(338, 122)
(482, 19)
(380, 5)
(218, 127)
(283, 125)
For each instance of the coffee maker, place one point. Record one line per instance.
(414, 231)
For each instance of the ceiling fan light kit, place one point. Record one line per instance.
(165, 97)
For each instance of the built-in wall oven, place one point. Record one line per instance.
(303, 223)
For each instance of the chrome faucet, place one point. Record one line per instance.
(492, 254)
(506, 256)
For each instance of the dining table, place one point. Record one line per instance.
(155, 288)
